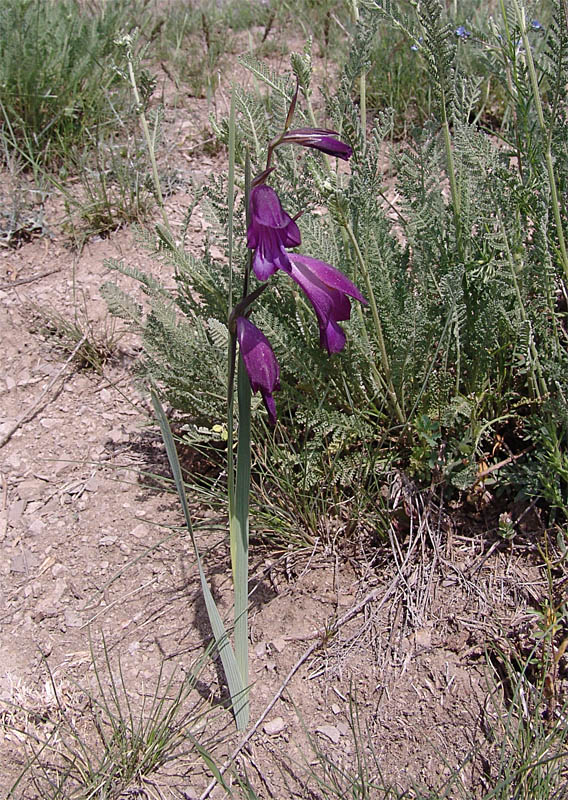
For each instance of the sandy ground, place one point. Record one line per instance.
(91, 562)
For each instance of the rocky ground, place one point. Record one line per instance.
(98, 584)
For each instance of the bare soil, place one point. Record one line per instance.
(95, 575)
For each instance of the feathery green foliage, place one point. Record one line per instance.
(462, 357)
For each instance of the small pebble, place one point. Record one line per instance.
(330, 732)
(275, 726)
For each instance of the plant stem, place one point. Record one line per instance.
(362, 87)
(451, 168)
(387, 379)
(240, 487)
(232, 345)
(520, 12)
(240, 524)
(310, 110)
(150, 141)
(535, 369)
(231, 195)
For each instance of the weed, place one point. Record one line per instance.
(194, 41)
(106, 743)
(397, 76)
(115, 187)
(459, 368)
(530, 762)
(98, 343)
(57, 73)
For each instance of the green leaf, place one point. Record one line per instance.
(240, 523)
(237, 689)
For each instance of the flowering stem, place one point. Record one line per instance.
(231, 194)
(289, 117)
(386, 381)
(238, 485)
(150, 141)
(232, 358)
(248, 183)
(543, 129)
(240, 309)
(232, 345)
(362, 86)
(240, 493)
(271, 148)
(240, 524)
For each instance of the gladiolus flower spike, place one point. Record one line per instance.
(270, 230)
(260, 363)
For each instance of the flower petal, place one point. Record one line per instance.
(332, 337)
(328, 304)
(320, 139)
(269, 256)
(260, 363)
(330, 276)
(328, 291)
(270, 231)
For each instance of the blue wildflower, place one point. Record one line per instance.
(462, 32)
(536, 25)
(416, 45)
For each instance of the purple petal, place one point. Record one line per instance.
(332, 337)
(328, 303)
(270, 256)
(260, 363)
(267, 212)
(330, 276)
(320, 139)
(270, 231)
(270, 406)
(327, 289)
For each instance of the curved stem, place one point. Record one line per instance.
(385, 380)
(150, 142)
(240, 309)
(548, 149)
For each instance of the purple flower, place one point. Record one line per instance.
(416, 45)
(328, 290)
(320, 139)
(270, 230)
(260, 363)
(536, 25)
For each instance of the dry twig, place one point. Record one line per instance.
(322, 636)
(31, 279)
(30, 414)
